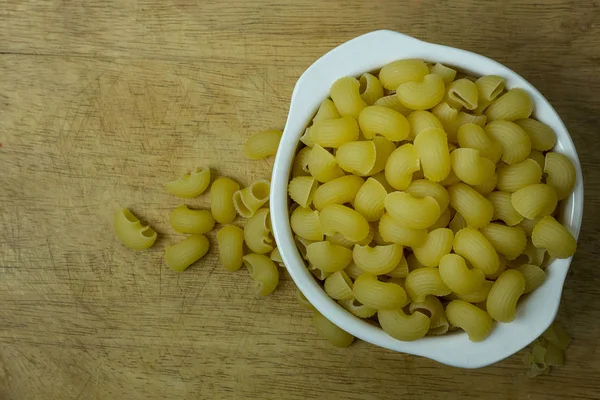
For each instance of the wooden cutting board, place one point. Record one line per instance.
(102, 102)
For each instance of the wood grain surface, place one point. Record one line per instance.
(103, 101)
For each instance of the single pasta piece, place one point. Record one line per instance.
(131, 232)
(338, 191)
(300, 166)
(446, 73)
(420, 188)
(534, 277)
(535, 201)
(490, 87)
(471, 167)
(439, 243)
(401, 271)
(443, 220)
(192, 184)
(394, 232)
(322, 165)
(512, 105)
(516, 145)
(230, 240)
(422, 95)
(345, 93)
(507, 240)
(183, 254)
(425, 281)
(421, 121)
(328, 257)
(561, 174)
(432, 306)
(379, 295)
(262, 144)
(357, 157)
(514, 177)
(541, 135)
(398, 72)
(338, 286)
(549, 234)
(331, 332)
(326, 111)
(474, 137)
(400, 166)
(248, 200)
(480, 295)
(370, 200)
(458, 277)
(306, 224)
(351, 224)
(357, 308)
(470, 318)
(538, 157)
(263, 271)
(378, 260)
(257, 232)
(412, 212)
(184, 220)
(487, 187)
(379, 120)
(463, 92)
(457, 223)
(475, 248)
(503, 208)
(472, 206)
(331, 132)
(432, 148)
(221, 200)
(506, 291)
(394, 103)
(404, 327)
(370, 88)
(302, 190)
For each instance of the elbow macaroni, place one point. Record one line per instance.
(131, 232)
(184, 220)
(192, 184)
(183, 254)
(221, 200)
(230, 240)
(248, 200)
(257, 232)
(379, 295)
(263, 271)
(262, 144)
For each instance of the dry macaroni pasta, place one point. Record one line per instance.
(262, 144)
(131, 232)
(192, 184)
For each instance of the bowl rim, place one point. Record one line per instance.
(370, 52)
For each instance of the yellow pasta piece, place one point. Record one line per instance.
(326, 111)
(331, 332)
(221, 200)
(446, 73)
(551, 235)
(479, 295)
(516, 145)
(464, 92)
(458, 277)
(337, 191)
(431, 305)
(471, 167)
(535, 201)
(345, 93)
(474, 137)
(503, 208)
(561, 174)
(248, 200)
(357, 308)
(183, 254)
(394, 232)
(328, 257)
(370, 88)
(300, 166)
(439, 243)
(131, 232)
(470, 318)
(379, 295)
(472, 206)
(357, 157)
(514, 177)
(263, 271)
(322, 165)
(306, 224)
(412, 212)
(401, 165)
(475, 248)
(398, 72)
(302, 190)
(262, 144)
(338, 286)
(184, 220)
(541, 135)
(534, 276)
(404, 327)
(420, 188)
(370, 200)
(379, 120)
(331, 132)
(423, 282)
(504, 294)
(490, 87)
(394, 103)
(507, 240)
(230, 240)
(445, 113)
(432, 148)
(378, 260)
(421, 121)
(257, 232)
(512, 105)
(192, 184)
(422, 95)
(351, 224)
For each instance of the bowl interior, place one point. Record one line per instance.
(369, 53)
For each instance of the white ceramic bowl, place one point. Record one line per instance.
(368, 53)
